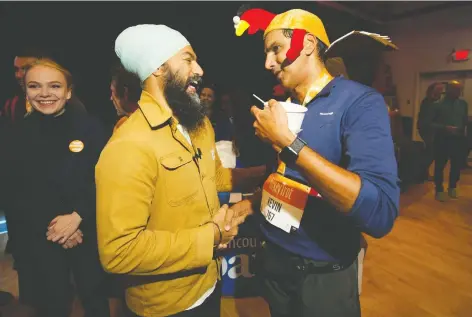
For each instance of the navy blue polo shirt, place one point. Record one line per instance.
(348, 124)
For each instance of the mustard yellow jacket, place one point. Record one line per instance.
(119, 123)
(152, 198)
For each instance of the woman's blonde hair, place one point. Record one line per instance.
(52, 64)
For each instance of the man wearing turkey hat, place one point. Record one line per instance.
(158, 216)
(336, 178)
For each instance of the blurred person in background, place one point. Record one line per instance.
(425, 128)
(125, 89)
(250, 155)
(250, 150)
(15, 108)
(208, 97)
(224, 129)
(279, 93)
(450, 122)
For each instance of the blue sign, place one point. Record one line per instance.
(238, 276)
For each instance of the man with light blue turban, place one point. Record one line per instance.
(144, 48)
(159, 221)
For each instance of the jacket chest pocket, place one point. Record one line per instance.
(181, 177)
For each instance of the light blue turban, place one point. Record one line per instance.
(144, 48)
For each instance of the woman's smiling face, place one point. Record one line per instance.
(47, 89)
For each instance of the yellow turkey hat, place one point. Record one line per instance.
(299, 19)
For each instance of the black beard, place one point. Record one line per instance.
(188, 109)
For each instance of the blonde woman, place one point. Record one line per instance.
(47, 184)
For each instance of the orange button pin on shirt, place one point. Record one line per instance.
(76, 146)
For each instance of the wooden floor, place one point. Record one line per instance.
(422, 269)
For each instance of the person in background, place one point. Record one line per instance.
(244, 154)
(250, 150)
(450, 121)
(251, 155)
(336, 179)
(47, 187)
(15, 108)
(208, 97)
(425, 128)
(279, 92)
(224, 129)
(159, 220)
(125, 90)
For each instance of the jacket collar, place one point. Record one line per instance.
(155, 114)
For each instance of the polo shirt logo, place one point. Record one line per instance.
(326, 113)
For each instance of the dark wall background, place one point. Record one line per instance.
(81, 35)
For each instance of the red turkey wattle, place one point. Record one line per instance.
(296, 45)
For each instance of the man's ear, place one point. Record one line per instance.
(160, 71)
(309, 44)
(157, 72)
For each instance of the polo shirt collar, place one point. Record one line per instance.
(324, 92)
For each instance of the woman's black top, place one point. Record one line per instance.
(43, 172)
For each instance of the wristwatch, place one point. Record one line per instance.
(289, 154)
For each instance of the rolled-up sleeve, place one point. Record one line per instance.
(369, 148)
(125, 178)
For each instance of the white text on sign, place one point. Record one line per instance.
(281, 189)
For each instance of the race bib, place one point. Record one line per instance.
(283, 202)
